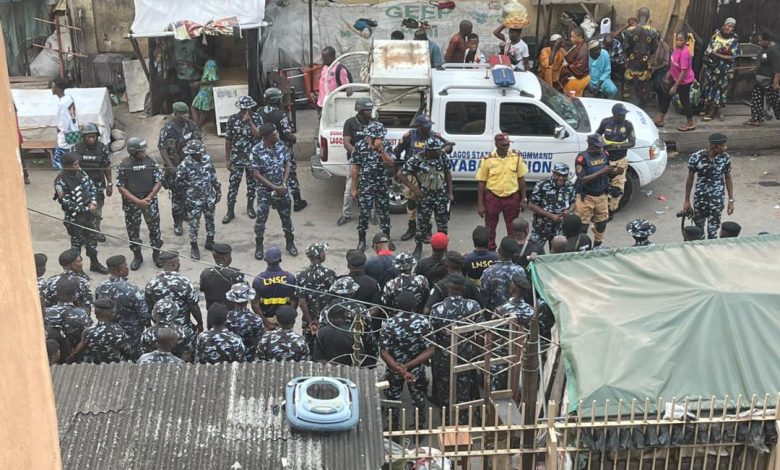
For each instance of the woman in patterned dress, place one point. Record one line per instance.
(719, 59)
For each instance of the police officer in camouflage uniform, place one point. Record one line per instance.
(283, 344)
(72, 267)
(165, 314)
(431, 170)
(40, 271)
(345, 293)
(405, 346)
(416, 284)
(712, 169)
(640, 230)
(371, 162)
(271, 167)
(65, 315)
(241, 320)
(94, 159)
(170, 283)
(270, 113)
(218, 344)
(354, 131)
(130, 309)
(138, 180)
(552, 199)
(517, 308)
(312, 284)
(241, 131)
(166, 344)
(77, 195)
(496, 279)
(176, 132)
(106, 341)
(455, 309)
(198, 178)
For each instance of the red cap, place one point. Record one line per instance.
(439, 241)
(502, 139)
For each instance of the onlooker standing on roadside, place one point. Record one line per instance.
(659, 66)
(719, 59)
(551, 62)
(67, 125)
(767, 82)
(681, 78)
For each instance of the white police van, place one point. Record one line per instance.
(467, 108)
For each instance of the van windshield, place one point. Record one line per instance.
(569, 110)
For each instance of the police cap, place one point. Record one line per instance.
(731, 229)
(693, 232)
(344, 285)
(266, 129)
(640, 228)
(356, 258)
(561, 168)
(718, 138)
(104, 304)
(180, 107)
(222, 248)
(315, 250)
(404, 261)
(509, 246)
(169, 255)
(273, 254)
(240, 292)
(116, 261)
(40, 259)
(285, 315)
(68, 256)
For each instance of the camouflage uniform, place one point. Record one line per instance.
(159, 357)
(83, 296)
(709, 194)
(495, 282)
(413, 283)
(641, 230)
(431, 179)
(180, 289)
(106, 342)
(282, 345)
(75, 193)
(271, 163)
(167, 316)
(173, 136)
(313, 283)
(69, 319)
(373, 187)
(139, 178)
(444, 315)
(284, 127)
(249, 326)
(130, 309)
(241, 141)
(549, 197)
(94, 161)
(519, 309)
(213, 347)
(406, 336)
(42, 287)
(201, 189)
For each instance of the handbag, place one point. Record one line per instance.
(763, 81)
(667, 82)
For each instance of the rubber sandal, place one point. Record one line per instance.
(707, 118)
(685, 128)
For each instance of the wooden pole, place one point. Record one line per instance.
(29, 430)
(530, 385)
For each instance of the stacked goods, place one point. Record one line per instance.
(514, 15)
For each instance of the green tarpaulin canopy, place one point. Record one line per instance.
(696, 319)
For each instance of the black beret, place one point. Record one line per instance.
(718, 138)
(731, 227)
(222, 249)
(455, 258)
(40, 259)
(104, 304)
(266, 129)
(694, 232)
(521, 281)
(356, 258)
(116, 261)
(286, 315)
(68, 256)
(457, 279)
(169, 255)
(509, 246)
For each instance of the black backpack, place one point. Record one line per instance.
(339, 68)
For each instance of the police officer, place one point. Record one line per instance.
(275, 288)
(271, 166)
(712, 169)
(406, 346)
(166, 345)
(72, 268)
(170, 283)
(495, 280)
(65, 315)
(431, 170)
(618, 135)
(271, 113)
(416, 284)
(241, 320)
(552, 199)
(641, 230)
(165, 314)
(593, 173)
(313, 283)
(217, 280)
(354, 132)
(40, 271)
(138, 180)
(130, 309)
(514, 308)
(106, 341)
(283, 344)
(197, 177)
(358, 319)
(241, 131)
(93, 158)
(370, 162)
(413, 143)
(176, 132)
(218, 344)
(78, 198)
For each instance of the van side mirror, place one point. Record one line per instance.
(560, 132)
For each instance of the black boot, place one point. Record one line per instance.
(209, 243)
(299, 205)
(417, 251)
(137, 260)
(156, 257)
(99, 236)
(230, 213)
(250, 208)
(290, 246)
(390, 243)
(95, 266)
(259, 248)
(177, 230)
(410, 231)
(194, 250)
(361, 241)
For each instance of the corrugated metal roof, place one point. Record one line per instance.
(129, 416)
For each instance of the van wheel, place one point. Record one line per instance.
(397, 198)
(631, 187)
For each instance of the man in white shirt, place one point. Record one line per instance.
(514, 47)
(66, 120)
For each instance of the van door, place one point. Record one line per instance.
(532, 131)
(465, 121)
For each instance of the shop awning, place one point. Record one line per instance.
(691, 320)
(153, 18)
